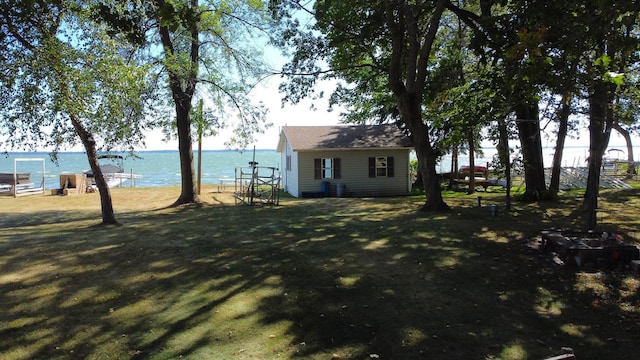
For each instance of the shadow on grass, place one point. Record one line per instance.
(357, 278)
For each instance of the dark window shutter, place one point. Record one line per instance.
(336, 168)
(372, 167)
(390, 166)
(317, 168)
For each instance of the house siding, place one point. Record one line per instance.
(354, 172)
(289, 179)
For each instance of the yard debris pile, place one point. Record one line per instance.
(589, 250)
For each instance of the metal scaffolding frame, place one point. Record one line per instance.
(257, 184)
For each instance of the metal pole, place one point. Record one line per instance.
(253, 175)
(15, 178)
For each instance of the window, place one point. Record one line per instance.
(288, 164)
(326, 168)
(381, 166)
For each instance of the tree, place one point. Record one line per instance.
(454, 104)
(207, 44)
(613, 43)
(382, 49)
(572, 50)
(562, 90)
(510, 37)
(64, 79)
(626, 135)
(209, 50)
(626, 115)
(563, 127)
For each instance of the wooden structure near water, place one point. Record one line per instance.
(73, 184)
(576, 178)
(257, 184)
(19, 183)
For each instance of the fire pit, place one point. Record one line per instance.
(586, 249)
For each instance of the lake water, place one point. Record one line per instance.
(572, 156)
(162, 168)
(157, 168)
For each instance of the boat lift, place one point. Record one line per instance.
(19, 184)
(257, 183)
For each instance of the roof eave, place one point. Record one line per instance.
(408, 148)
(282, 140)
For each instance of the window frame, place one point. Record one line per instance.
(389, 168)
(326, 168)
(381, 166)
(320, 169)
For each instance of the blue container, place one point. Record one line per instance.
(325, 187)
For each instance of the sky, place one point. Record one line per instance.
(278, 115)
(291, 115)
(302, 115)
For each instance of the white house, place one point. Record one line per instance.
(356, 160)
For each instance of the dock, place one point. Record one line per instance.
(19, 183)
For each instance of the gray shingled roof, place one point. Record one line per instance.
(344, 137)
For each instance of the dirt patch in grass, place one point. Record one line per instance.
(312, 278)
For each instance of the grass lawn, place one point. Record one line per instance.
(335, 278)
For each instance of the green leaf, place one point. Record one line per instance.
(603, 61)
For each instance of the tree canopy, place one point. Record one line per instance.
(65, 81)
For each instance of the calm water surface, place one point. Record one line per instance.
(157, 168)
(162, 168)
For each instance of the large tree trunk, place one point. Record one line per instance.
(504, 154)
(182, 88)
(106, 204)
(426, 155)
(410, 51)
(563, 125)
(529, 134)
(427, 166)
(89, 143)
(600, 124)
(189, 193)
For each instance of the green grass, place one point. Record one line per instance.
(310, 279)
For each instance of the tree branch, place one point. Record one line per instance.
(329, 71)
